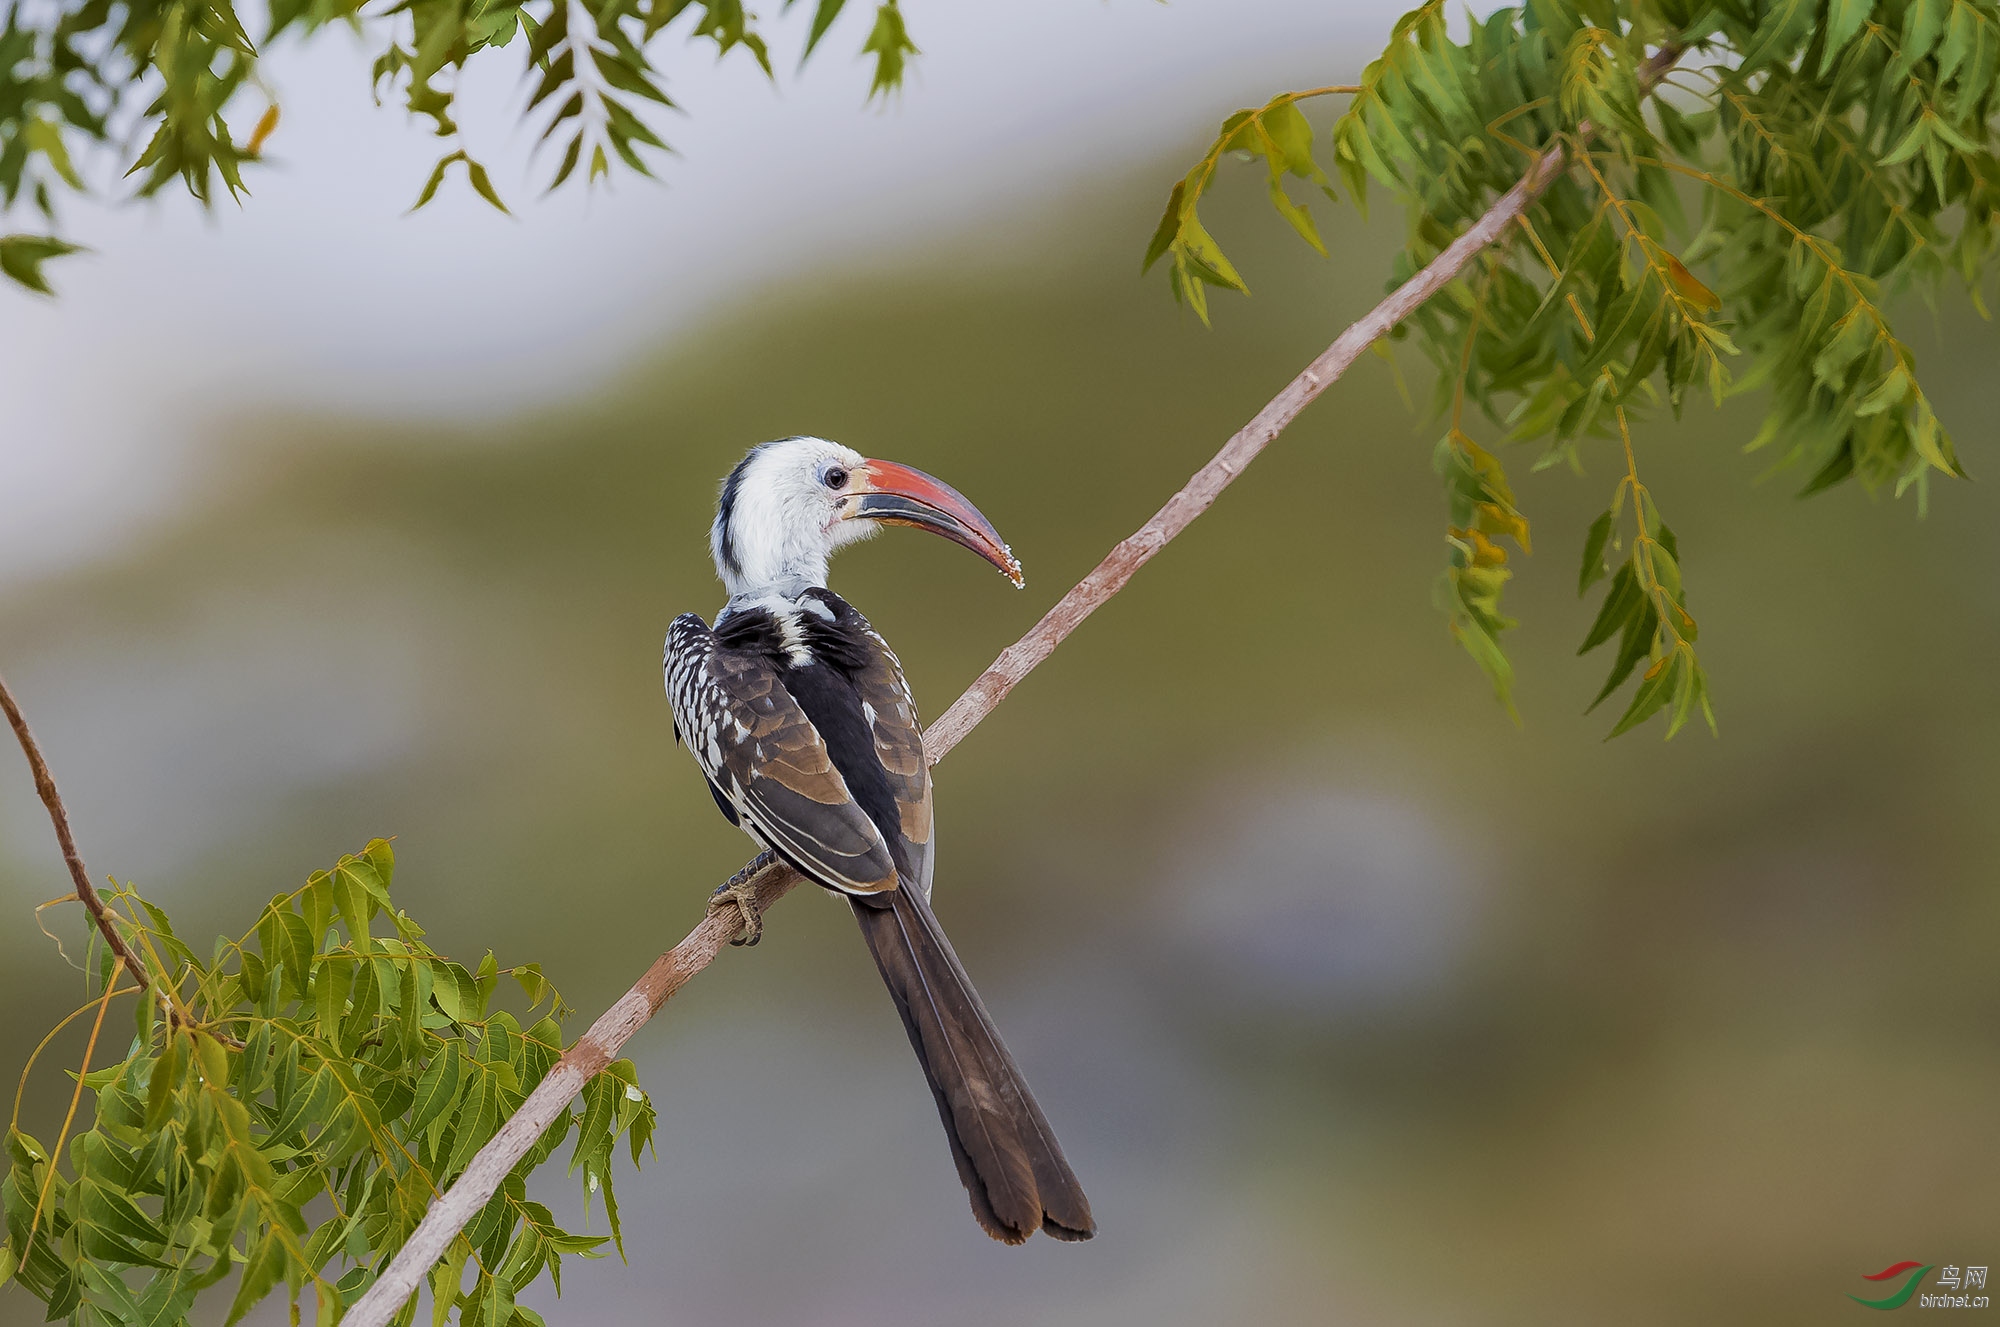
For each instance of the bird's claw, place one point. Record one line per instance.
(740, 892)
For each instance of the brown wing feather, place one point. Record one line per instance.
(899, 747)
(756, 745)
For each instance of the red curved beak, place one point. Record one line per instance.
(898, 495)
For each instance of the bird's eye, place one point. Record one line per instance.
(836, 478)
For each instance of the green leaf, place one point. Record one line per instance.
(455, 991)
(1967, 32)
(108, 1209)
(1930, 440)
(333, 976)
(1201, 255)
(1855, 335)
(446, 1279)
(1666, 568)
(260, 1273)
(600, 1109)
(437, 178)
(1689, 690)
(1655, 689)
(251, 969)
(533, 984)
(475, 1122)
(309, 1106)
(611, 1208)
(1838, 468)
(1786, 23)
(1634, 645)
(629, 78)
(105, 1291)
(1623, 599)
(412, 1001)
(436, 1090)
(317, 907)
(569, 159)
(487, 978)
(351, 897)
(46, 138)
(1301, 220)
(483, 185)
(296, 948)
(22, 256)
(1843, 20)
(889, 42)
(1593, 569)
(823, 16)
(365, 1002)
(166, 1077)
(1923, 24)
(1169, 228)
(1291, 135)
(1890, 391)
(213, 1058)
(1912, 143)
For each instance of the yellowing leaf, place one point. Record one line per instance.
(267, 124)
(1690, 287)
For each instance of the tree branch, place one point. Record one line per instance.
(597, 1047)
(1200, 492)
(45, 784)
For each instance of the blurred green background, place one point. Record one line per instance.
(1350, 1000)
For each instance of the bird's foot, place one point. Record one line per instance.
(742, 893)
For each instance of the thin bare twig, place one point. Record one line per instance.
(45, 784)
(482, 1178)
(69, 1117)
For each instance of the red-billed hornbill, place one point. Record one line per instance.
(798, 714)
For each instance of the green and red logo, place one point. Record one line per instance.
(1915, 1271)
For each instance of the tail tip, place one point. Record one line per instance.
(1010, 1234)
(1068, 1234)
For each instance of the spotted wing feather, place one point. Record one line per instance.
(766, 760)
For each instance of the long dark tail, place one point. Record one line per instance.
(1007, 1155)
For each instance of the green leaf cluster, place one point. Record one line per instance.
(287, 1110)
(1645, 608)
(1279, 134)
(1481, 508)
(1745, 187)
(78, 77)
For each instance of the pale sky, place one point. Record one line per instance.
(319, 292)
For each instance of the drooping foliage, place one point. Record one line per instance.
(81, 79)
(285, 1112)
(1745, 186)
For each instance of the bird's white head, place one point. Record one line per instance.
(789, 504)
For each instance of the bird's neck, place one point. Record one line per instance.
(760, 551)
(772, 592)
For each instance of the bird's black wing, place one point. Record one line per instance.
(896, 735)
(766, 760)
